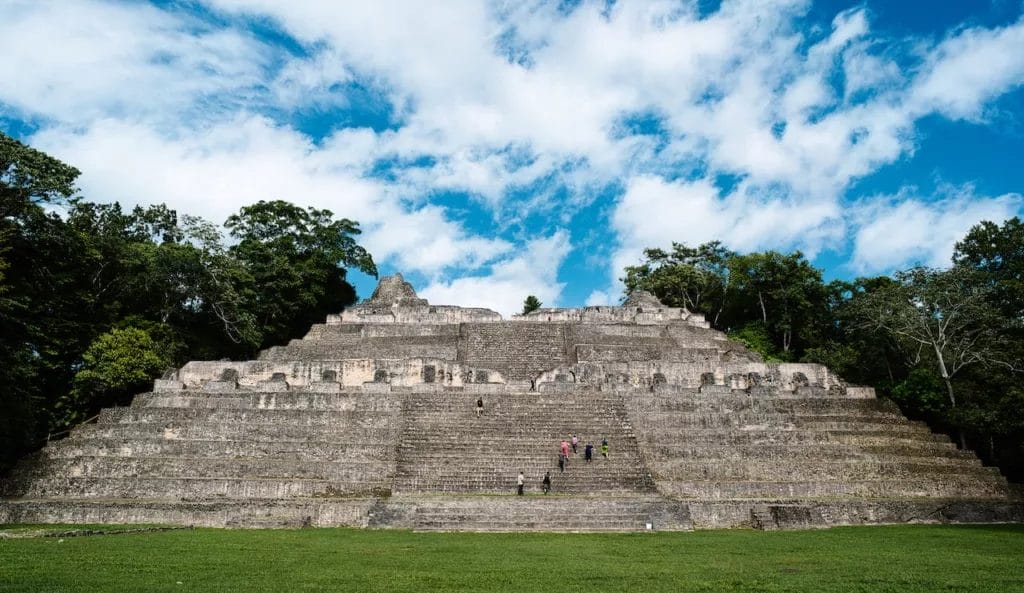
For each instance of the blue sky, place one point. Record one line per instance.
(492, 150)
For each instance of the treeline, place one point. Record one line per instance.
(95, 302)
(946, 345)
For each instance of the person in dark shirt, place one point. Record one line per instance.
(546, 482)
(588, 452)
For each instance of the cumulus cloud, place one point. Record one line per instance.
(249, 159)
(534, 270)
(906, 229)
(968, 69)
(75, 62)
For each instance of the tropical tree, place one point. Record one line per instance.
(784, 292)
(695, 278)
(116, 365)
(531, 304)
(997, 252)
(296, 259)
(28, 178)
(943, 318)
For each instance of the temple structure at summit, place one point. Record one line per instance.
(371, 420)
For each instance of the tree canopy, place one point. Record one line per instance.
(96, 301)
(531, 304)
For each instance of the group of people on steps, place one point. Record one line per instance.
(572, 442)
(564, 447)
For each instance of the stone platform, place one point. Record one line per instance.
(371, 421)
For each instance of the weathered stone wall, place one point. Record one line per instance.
(609, 315)
(414, 314)
(281, 376)
(518, 350)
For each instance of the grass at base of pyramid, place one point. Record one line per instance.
(888, 558)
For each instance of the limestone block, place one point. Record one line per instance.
(220, 386)
(716, 389)
(324, 387)
(861, 392)
(161, 385)
(272, 386)
(485, 387)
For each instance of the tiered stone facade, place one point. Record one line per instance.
(371, 420)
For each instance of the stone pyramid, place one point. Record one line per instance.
(371, 420)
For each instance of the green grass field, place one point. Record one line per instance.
(864, 559)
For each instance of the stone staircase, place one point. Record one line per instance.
(744, 451)
(551, 513)
(249, 457)
(446, 447)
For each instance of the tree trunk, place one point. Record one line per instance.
(764, 312)
(952, 400)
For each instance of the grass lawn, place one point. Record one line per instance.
(866, 559)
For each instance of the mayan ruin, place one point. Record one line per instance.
(370, 420)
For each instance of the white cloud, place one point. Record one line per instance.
(968, 69)
(79, 61)
(215, 173)
(654, 212)
(905, 229)
(532, 270)
(312, 81)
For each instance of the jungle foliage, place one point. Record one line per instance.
(96, 301)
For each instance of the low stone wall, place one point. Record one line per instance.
(421, 314)
(228, 513)
(805, 515)
(615, 315)
(281, 376)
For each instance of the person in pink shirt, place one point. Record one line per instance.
(565, 448)
(575, 441)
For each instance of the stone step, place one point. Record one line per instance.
(482, 486)
(815, 423)
(559, 485)
(613, 524)
(160, 447)
(206, 467)
(530, 465)
(761, 416)
(495, 407)
(318, 418)
(238, 431)
(775, 469)
(372, 349)
(220, 512)
(522, 450)
(494, 437)
(186, 488)
(758, 435)
(933, 451)
(948, 487)
(883, 440)
(656, 403)
(552, 513)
